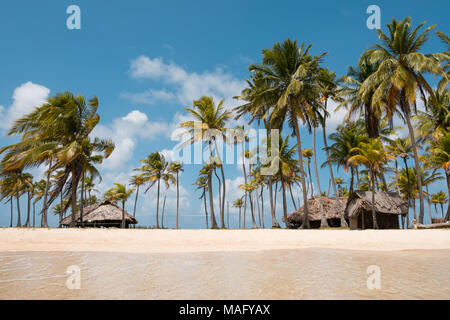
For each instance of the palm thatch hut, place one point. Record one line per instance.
(389, 206)
(333, 210)
(104, 214)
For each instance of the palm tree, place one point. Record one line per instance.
(238, 203)
(7, 191)
(373, 155)
(38, 192)
(206, 171)
(27, 182)
(440, 159)
(308, 153)
(209, 123)
(136, 181)
(153, 169)
(177, 167)
(400, 73)
(58, 133)
(290, 73)
(202, 184)
(120, 193)
(440, 198)
(249, 188)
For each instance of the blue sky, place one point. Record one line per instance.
(146, 60)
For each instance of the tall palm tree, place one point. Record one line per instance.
(207, 171)
(291, 72)
(401, 73)
(176, 167)
(38, 192)
(249, 188)
(120, 193)
(153, 169)
(373, 155)
(209, 123)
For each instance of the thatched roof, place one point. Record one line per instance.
(385, 203)
(332, 208)
(99, 212)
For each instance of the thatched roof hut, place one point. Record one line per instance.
(102, 214)
(388, 207)
(332, 208)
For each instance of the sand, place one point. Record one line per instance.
(184, 241)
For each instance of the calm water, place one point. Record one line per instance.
(281, 274)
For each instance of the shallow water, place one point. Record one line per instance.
(280, 274)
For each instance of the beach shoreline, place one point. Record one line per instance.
(185, 240)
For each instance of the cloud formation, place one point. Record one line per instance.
(25, 98)
(186, 86)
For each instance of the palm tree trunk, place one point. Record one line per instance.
(447, 175)
(220, 192)
(34, 214)
(81, 200)
(292, 197)
(162, 214)
(135, 203)
(222, 208)
(245, 180)
(352, 175)
(245, 209)
(305, 224)
(429, 202)
(323, 219)
(310, 179)
(123, 215)
(262, 206)
(409, 187)
(396, 175)
(283, 190)
(61, 212)
(206, 210)
(157, 205)
(374, 215)
(258, 207)
(178, 199)
(240, 216)
(416, 157)
(44, 223)
(252, 210)
(27, 223)
(19, 224)
(74, 198)
(272, 207)
(211, 205)
(12, 211)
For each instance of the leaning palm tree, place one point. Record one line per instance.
(401, 74)
(38, 193)
(119, 193)
(208, 125)
(176, 167)
(291, 75)
(373, 155)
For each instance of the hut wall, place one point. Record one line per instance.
(384, 221)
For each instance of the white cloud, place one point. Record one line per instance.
(125, 133)
(25, 98)
(188, 86)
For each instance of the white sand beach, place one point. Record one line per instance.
(173, 241)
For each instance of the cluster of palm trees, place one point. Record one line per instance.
(289, 89)
(58, 136)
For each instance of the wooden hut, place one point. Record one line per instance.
(389, 206)
(104, 214)
(333, 210)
